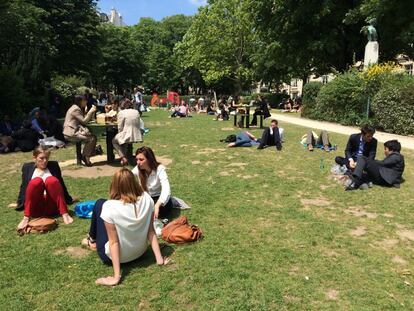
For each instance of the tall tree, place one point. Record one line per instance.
(395, 25)
(220, 43)
(305, 37)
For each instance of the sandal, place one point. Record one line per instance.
(89, 243)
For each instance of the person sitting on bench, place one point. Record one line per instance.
(387, 172)
(272, 136)
(263, 110)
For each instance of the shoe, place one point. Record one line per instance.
(86, 161)
(279, 147)
(351, 187)
(310, 147)
(364, 186)
(326, 148)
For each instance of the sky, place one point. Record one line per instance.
(133, 10)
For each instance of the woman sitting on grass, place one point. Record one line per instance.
(121, 226)
(153, 178)
(43, 191)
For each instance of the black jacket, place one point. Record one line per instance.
(27, 173)
(392, 168)
(351, 151)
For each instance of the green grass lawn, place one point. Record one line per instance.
(280, 234)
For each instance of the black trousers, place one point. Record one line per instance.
(368, 170)
(271, 140)
(165, 211)
(97, 231)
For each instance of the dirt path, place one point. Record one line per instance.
(406, 141)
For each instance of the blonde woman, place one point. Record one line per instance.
(121, 226)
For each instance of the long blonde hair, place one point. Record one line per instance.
(125, 187)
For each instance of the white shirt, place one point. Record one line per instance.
(281, 133)
(132, 225)
(157, 183)
(42, 174)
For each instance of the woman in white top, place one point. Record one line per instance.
(128, 130)
(43, 191)
(121, 226)
(153, 178)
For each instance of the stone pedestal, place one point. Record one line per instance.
(371, 53)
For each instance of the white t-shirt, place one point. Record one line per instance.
(157, 183)
(132, 225)
(41, 173)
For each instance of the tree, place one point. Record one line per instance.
(306, 37)
(121, 63)
(220, 42)
(395, 25)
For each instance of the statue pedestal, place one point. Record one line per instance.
(371, 53)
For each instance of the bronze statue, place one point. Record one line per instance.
(370, 30)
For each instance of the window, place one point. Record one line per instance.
(295, 82)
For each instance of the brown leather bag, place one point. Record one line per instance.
(180, 231)
(39, 225)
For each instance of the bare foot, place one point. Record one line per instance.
(87, 243)
(23, 223)
(67, 219)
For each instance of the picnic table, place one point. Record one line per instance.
(246, 116)
(111, 129)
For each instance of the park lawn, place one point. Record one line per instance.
(280, 234)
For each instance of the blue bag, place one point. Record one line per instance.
(84, 209)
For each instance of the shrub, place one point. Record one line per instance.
(342, 100)
(310, 92)
(393, 106)
(67, 86)
(13, 96)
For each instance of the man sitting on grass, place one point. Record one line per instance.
(359, 144)
(387, 172)
(272, 136)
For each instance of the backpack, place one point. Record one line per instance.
(39, 225)
(179, 231)
(84, 209)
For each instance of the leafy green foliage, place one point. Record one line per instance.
(220, 42)
(67, 86)
(393, 106)
(310, 92)
(13, 97)
(342, 100)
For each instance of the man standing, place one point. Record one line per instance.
(272, 136)
(387, 172)
(359, 144)
(138, 99)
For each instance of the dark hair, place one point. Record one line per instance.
(126, 104)
(274, 121)
(152, 163)
(78, 99)
(393, 145)
(367, 129)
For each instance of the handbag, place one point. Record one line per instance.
(179, 231)
(39, 225)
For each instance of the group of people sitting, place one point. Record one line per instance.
(121, 226)
(359, 161)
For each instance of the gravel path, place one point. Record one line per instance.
(406, 141)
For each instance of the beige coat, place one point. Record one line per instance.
(128, 127)
(75, 123)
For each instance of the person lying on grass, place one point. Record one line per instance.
(243, 139)
(387, 172)
(42, 191)
(120, 227)
(152, 177)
